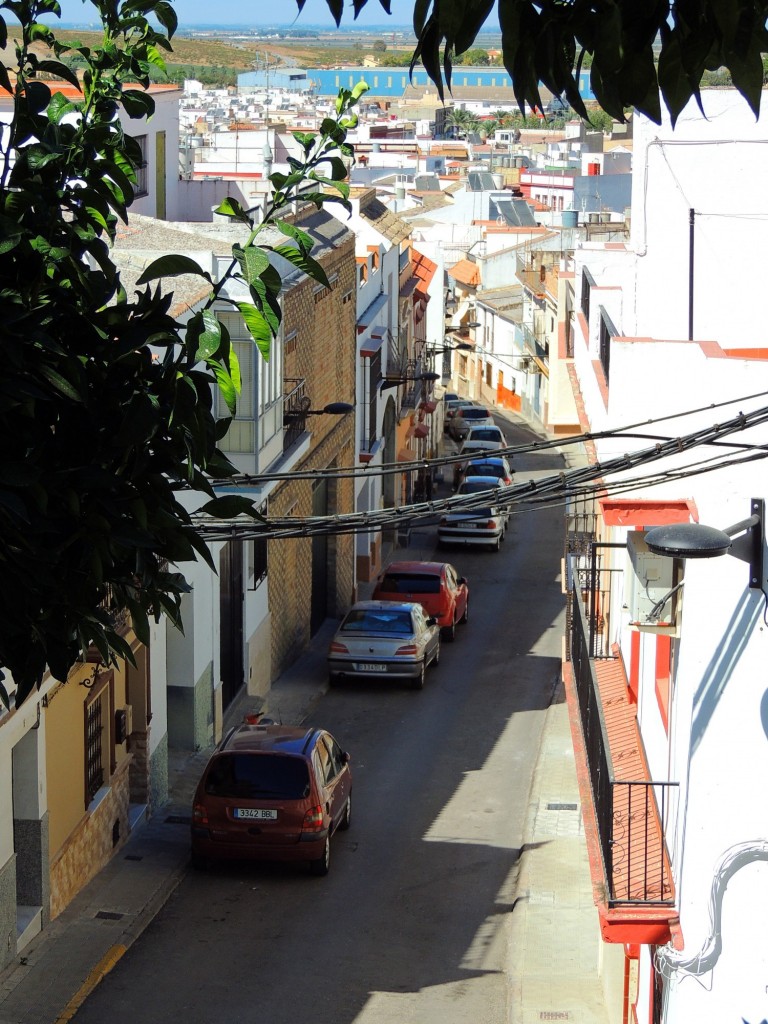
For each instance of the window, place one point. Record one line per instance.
(141, 171)
(241, 436)
(99, 753)
(257, 557)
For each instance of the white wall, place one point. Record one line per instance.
(716, 166)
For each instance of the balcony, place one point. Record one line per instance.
(295, 401)
(627, 815)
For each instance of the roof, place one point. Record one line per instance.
(465, 272)
(427, 568)
(386, 222)
(423, 269)
(283, 738)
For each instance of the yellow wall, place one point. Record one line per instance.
(65, 750)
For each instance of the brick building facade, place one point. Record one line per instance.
(313, 578)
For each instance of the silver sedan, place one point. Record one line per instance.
(390, 639)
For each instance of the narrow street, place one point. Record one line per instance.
(411, 925)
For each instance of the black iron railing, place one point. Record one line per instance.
(632, 815)
(295, 402)
(587, 284)
(369, 436)
(606, 332)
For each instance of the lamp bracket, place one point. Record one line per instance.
(748, 542)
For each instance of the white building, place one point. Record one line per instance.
(673, 650)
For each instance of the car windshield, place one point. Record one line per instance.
(250, 776)
(473, 486)
(368, 620)
(409, 583)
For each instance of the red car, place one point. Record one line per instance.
(272, 792)
(437, 586)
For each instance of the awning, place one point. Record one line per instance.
(422, 430)
(407, 455)
(642, 513)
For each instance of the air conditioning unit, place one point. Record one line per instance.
(123, 723)
(650, 579)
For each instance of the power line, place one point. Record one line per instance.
(564, 485)
(371, 470)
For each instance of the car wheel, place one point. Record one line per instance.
(333, 680)
(465, 616)
(346, 818)
(418, 682)
(496, 546)
(436, 656)
(320, 866)
(450, 632)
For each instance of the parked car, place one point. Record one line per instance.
(490, 465)
(437, 586)
(487, 433)
(466, 417)
(482, 526)
(393, 640)
(473, 448)
(452, 407)
(272, 792)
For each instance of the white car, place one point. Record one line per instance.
(481, 525)
(489, 433)
(473, 449)
(467, 417)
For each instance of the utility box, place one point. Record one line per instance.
(650, 578)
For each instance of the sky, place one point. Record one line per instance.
(263, 12)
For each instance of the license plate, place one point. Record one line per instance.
(471, 526)
(365, 666)
(255, 814)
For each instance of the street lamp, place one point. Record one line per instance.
(462, 327)
(461, 346)
(425, 378)
(332, 409)
(743, 540)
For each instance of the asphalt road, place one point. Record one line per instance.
(411, 924)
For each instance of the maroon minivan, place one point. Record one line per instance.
(272, 792)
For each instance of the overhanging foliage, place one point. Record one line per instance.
(106, 402)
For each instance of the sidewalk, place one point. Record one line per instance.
(555, 948)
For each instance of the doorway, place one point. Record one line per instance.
(231, 657)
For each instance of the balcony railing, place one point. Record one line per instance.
(587, 284)
(632, 815)
(295, 401)
(607, 331)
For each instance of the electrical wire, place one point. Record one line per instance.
(370, 470)
(563, 487)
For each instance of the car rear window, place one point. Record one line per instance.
(402, 583)
(474, 486)
(486, 434)
(475, 470)
(250, 776)
(474, 413)
(366, 621)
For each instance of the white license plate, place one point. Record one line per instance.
(365, 666)
(472, 526)
(255, 814)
